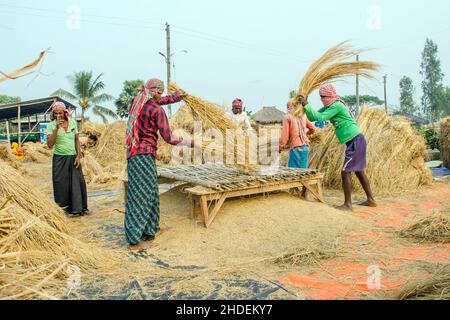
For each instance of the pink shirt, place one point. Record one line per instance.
(295, 132)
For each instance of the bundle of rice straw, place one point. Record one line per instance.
(37, 152)
(437, 287)
(212, 117)
(435, 228)
(111, 149)
(90, 128)
(445, 141)
(7, 156)
(332, 66)
(36, 248)
(93, 172)
(394, 154)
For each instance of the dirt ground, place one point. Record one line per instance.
(236, 258)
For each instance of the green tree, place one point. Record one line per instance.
(407, 105)
(129, 91)
(4, 99)
(372, 100)
(430, 69)
(444, 102)
(87, 93)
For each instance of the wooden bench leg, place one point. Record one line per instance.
(204, 209)
(318, 194)
(216, 209)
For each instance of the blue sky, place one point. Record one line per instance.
(255, 50)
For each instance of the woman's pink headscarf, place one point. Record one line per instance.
(60, 106)
(329, 96)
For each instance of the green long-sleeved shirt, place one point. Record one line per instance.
(338, 114)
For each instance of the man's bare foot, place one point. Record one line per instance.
(368, 203)
(142, 246)
(344, 207)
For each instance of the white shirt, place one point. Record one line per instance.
(241, 121)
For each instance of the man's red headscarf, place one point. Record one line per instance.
(60, 106)
(329, 96)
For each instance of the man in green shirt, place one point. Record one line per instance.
(348, 132)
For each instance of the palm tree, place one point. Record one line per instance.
(87, 94)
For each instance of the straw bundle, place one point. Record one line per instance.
(37, 152)
(13, 185)
(7, 156)
(93, 172)
(437, 287)
(394, 154)
(445, 141)
(111, 149)
(435, 228)
(331, 66)
(91, 128)
(212, 117)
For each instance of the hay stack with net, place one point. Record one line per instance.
(331, 66)
(394, 154)
(445, 141)
(36, 248)
(37, 152)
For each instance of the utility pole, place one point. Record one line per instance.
(385, 94)
(168, 56)
(357, 89)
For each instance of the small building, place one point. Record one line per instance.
(269, 116)
(23, 120)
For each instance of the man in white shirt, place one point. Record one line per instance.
(240, 118)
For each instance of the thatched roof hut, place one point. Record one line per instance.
(269, 115)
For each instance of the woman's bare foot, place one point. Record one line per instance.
(344, 207)
(368, 203)
(142, 246)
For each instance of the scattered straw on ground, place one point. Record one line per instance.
(394, 154)
(435, 228)
(437, 287)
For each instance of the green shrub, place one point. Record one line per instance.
(431, 136)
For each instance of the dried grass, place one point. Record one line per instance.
(37, 152)
(94, 172)
(332, 66)
(437, 287)
(7, 156)
(394, 154)
(435, 228)
(90, 128)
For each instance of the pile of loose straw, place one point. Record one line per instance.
(37, 152)
(394, 154)
(331, 66)
(7, 156)
(435, 228)
(36, 248)
(445, 141)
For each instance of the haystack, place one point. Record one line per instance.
(436, 287)
(111, 149)
(394, 154)
(37, 152)
(94, 173)
(445, 141)
(90, 128)
(435, 228)
(7, 156)
(337, 63)
(36, 248)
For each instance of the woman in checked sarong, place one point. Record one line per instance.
(147, 118)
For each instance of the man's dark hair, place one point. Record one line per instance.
(93, 137)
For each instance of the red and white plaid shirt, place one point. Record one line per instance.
(153, 119)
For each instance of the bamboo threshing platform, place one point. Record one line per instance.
(213, 184)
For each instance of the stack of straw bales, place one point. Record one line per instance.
(7, 156)
(36, 248)
(394, 154)
(111, 149)
(94, 173)
(90, 128)
(445, 141)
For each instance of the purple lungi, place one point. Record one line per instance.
(355, 155)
